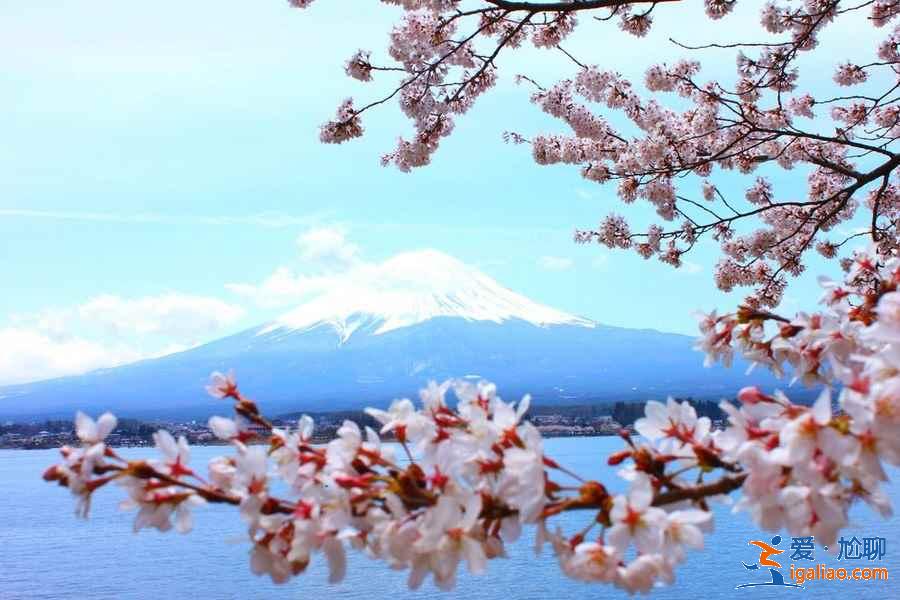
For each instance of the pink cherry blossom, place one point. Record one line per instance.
(650, 146)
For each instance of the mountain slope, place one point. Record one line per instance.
(431, 318)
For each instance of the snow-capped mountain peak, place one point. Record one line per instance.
(413, 287)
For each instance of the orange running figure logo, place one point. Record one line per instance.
(766, 551)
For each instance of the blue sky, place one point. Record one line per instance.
(155, 152)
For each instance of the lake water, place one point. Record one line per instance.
(45, 552)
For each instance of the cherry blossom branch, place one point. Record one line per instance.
(723, 486)
(515, 483)
(742, 127)
(570, 6)
(478, 473)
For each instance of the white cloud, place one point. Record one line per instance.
(107, 331)
(29, 355)
(326, 245)
(555, 263)
(325, 250)
(110, 330)
(282, 288)
(179, 317)
(172, 315)
(287, 287)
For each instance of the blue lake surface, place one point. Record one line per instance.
(45, 552)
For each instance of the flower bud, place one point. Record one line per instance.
(753, 395)
(53, 473)
(617, 458)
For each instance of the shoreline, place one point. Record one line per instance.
(315, 440)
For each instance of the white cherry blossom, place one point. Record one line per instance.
(635, 521)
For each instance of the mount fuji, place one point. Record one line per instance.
(420, 316)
